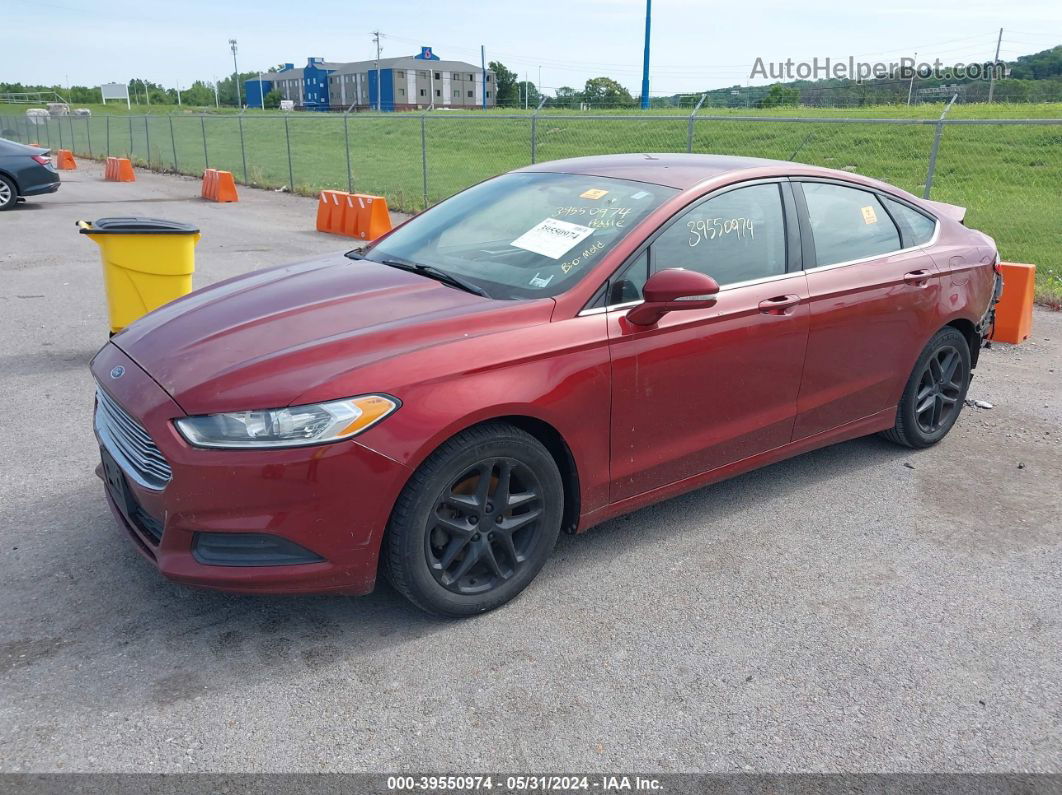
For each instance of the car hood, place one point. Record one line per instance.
(263, 339)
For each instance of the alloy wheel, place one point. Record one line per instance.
(5, 193)
(939, 388)
(484, 526)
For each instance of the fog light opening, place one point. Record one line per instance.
(249, 549)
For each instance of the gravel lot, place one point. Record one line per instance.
(860, 608)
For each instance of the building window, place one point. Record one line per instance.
(470, 94)
(488, 95)
(400, 74)
(438, 93)
(488, 78)
(422, 92)
(437, 75)
(401, 92)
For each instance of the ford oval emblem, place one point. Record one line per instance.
(118, 372)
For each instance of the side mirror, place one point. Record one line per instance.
(670, 290)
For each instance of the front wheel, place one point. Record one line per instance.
(935, 391)
(476, 522)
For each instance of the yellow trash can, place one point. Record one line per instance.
(147, 262)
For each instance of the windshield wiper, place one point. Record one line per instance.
(439, 275)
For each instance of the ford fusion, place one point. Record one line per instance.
(546, 350)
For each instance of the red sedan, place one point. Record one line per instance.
(544, 351)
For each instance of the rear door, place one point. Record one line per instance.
(874, 293)
(704, 388)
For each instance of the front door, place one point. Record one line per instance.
(704, 388)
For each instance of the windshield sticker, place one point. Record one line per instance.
(869, 216)
(592, 193)
(712, 228)
(552, 238)
(640, 194)
(539, 282)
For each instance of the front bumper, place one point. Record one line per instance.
(333, 500)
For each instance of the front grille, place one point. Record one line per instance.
(129, 443)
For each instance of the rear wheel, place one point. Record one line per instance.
(935, 391)
(476, 522)
(8, 193)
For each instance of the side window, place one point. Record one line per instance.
(627, 286)
(734, 237)
(918, 228)
(848, 223)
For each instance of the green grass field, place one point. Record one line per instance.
(1009, 176)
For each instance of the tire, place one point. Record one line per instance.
(936, 389)
(8, 193)
(436, 552)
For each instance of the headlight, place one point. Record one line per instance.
(294, 426)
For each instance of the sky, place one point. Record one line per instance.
(694, 45)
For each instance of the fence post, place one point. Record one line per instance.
(935, 148)
(424, 154)
(107, 130)
(130, 152)
(534, 131)
(206, 156)
(88, 133)
(689, 132)
(291, 172)
(59, 124)
(173, 143)
(147, 140)
(346, 148)
(73, 139)
(243, 149)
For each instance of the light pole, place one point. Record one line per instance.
(236, 74)
(645, 56)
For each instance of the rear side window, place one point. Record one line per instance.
(848, 224)
(917, 228)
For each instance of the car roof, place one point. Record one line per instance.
(678, 170)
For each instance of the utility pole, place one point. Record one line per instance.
(217, 97)
(992, 77)
(527, 89)
(147, 96)
(236, 74)
(645, 58)
(178, 94)
(261, 90)
(483, 66)
(376, 38)
(910, 88)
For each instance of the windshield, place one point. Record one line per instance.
(526, 235)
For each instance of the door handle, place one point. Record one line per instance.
(779, 305)
(917, 278)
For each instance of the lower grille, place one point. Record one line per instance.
(130, 444)
(145, 522)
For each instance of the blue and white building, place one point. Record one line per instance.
(415, 82)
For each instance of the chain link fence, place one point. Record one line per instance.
(1007, 172)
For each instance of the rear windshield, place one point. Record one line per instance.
(524, 235)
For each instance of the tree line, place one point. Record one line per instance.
(1032, 78)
